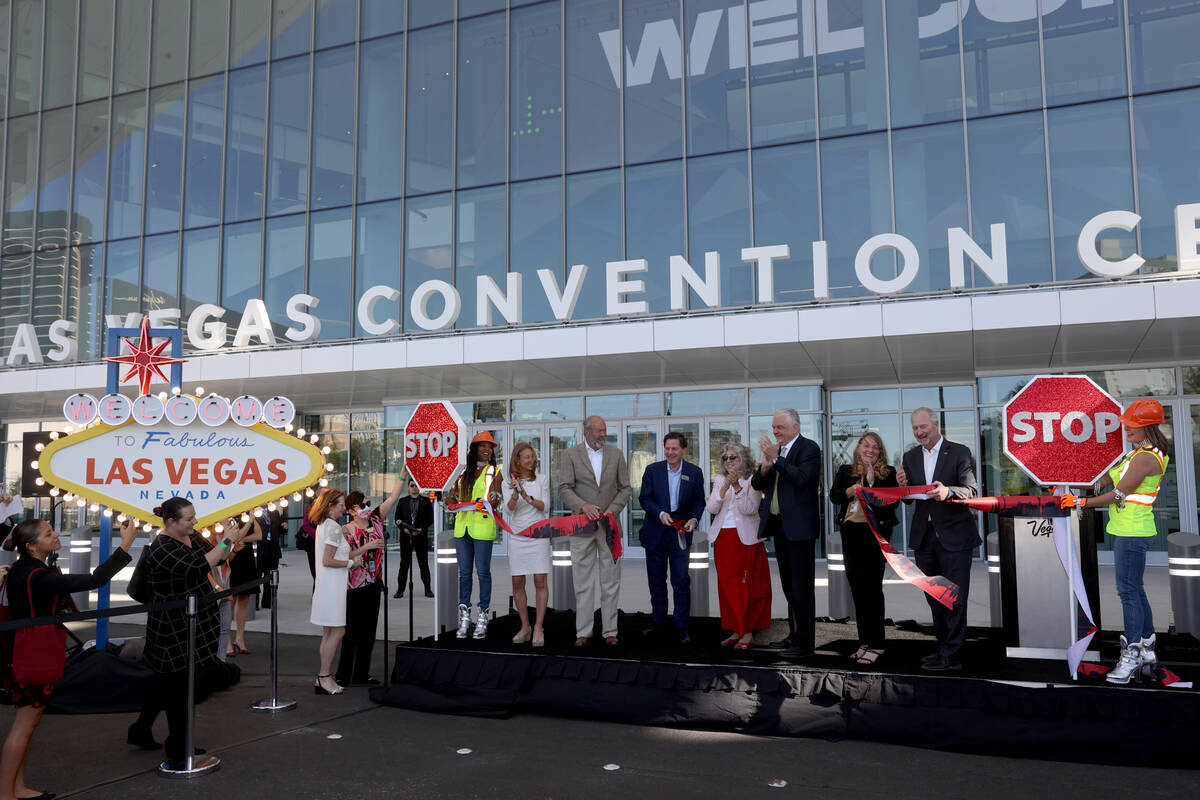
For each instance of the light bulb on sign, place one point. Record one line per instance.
(288, 428)
(328, 467)
(322, 483)
(309, 492)
(219, 528)
(206, 533)
(296, 497)
(300, 432)
(146, 528)
(270, 506)
(283, 502)
(325, 450)
(314, 439)
(108, 512)
(175, 390)
(33, 465)
(39, 447)
(39, 481)
(53, 434)
(70, 429)
(68, 497)
(258, 512)
(162, 395)
(121, 517)
(94, 507)
(199, 391)
(53, 491)
(245, 518)
(81, 502)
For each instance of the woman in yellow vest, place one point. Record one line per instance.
(475, 531)
(1134, 481)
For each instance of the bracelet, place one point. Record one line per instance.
(1119, 498)
(226, 544)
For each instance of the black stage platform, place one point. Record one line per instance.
(996, 705)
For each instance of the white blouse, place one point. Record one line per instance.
(524, 514)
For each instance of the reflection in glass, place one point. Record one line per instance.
(858, 205)
(124, 260)
(1164, 126)
(786, 212)
(209, 33)
(547, 408)
(206, 116)
(998, 474)
(427, 250)
(716, 91)
(292, 28)
(480, 251)
(333, 129)
(329, 271)
(284, 265)
(930, 176)
(850, 66)
(616, 406)
(769, 399)
(198, 276)
(593, 98)
(95, 48)
(1159, 30)
(250, 29)
(1090, 172)
(58, 60)
(719, 221)
(593, 234)
(1008, 179)
(845, 431)
(133, 45)
(428, 12)
(380, 255)
(24, 73)
(781, 83)
(241, 266)
(381, 17)
(55, 278)
(937, 397)
(480, 120)
(380, 119)
(164, 174)
(367, 468)
(704, 401)
(168, 41)
(336, 22)
(1083, 46)
(15, 274)
(863, 400)
(1000, 60)
(127, 166)
(246, 137)
(287, 173)
(160, 272)
(923, 66)
(87, 301)
(654, 227)
(536, 94)
(19, 176)
(430, 102)
(1001, 389)
(535, 240)
(641, 450)
(54, 171)
(653, 89)
(1134, 383)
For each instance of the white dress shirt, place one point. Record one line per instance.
(931, 455)
(596, 456)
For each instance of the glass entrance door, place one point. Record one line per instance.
(641, 445)
(718, 434)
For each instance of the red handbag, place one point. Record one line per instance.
(40, 652)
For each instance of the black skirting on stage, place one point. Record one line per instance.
(996, 706)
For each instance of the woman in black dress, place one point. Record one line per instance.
(31, 579)
(243, 568)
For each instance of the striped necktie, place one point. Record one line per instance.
(775, 491)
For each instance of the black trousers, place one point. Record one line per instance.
(167, 692)
(950, 627)
(864, 571)
(409, 544)
(797, 572)
(362, 616)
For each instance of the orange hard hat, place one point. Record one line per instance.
(486, 436)
(1143, 413)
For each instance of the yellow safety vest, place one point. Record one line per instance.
(477, 524)
(1137, 517)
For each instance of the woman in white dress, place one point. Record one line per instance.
(527, 500)
(333, 561)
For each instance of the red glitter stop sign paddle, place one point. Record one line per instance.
(1063, 429)
(435, 450)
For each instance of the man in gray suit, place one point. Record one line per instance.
(594, 480)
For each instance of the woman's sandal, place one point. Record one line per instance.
(744, 642)
(319, 689)
(869, 656)
(732, 640)
(522, 636)
(862, 649)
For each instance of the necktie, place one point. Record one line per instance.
(775, 491)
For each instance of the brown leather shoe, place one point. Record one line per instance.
(611, 641)
(582, 641)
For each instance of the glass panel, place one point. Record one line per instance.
(250, 28)
(164, 172)
(535, 240)
(287, 174)
(284, 262)
(5, 15)
(720, 435)
(366, 421)
(1008, 173)
(427, 12)
(561, 437)
(786, 212)
(397, 416)
(430, 102)
(329, 271)
(123, 295)
(1163, 130)
(1084, 50)
(719, 221)
(95, 48)
(998, 474)
(593, 234)
(781, 72)
(292, 28)
(54, 275)
(1090, 172)
(337, 23)
(1159, 31)
(19, 176)
(168, 44)
(1134, 383)
(206, 126)
(850, 66)
(858, 205)
(133, 45)
(333, 129)
(58, 64)
(246, 144)
(339, 456)
(1191, 381)
(427, 250)
(15, 283)
(468, 8)
(198, 281)
(536, 92)
(127, 166)
(641, 450)
(653, 89)
(480, 251)
(483, 411)
(54, 173)
(929, 166)
(1000, 59)
(1002, 389)
(863, 400)
(923, 63)
(616, 406)
(547, 408)
(241, 266)
(1195, 410)
(88, 299)
(380, 254)
(24, 78)
(481, 66)
(845, 431)
(367, 467)
(937, 397)
(769, 399)
(716, 89)
(704, 401)
(593, 86)
(209, 37)
(380, 118)
(381, 17)
(654, 227)
(160, 272)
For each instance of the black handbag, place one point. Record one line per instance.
(138, 587)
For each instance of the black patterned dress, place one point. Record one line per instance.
(175, 570)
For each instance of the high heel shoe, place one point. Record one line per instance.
(319, 689)
(539, 641)
(522, 636)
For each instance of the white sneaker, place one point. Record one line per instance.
(1128, 666)
(481, 622)
(464, 621)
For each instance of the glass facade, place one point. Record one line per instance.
(178, 152)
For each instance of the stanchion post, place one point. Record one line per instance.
(210, 763)
(274, 703)
(1072, 535)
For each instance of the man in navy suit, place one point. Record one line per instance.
(672, 491)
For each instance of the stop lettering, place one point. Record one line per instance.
(434, 449)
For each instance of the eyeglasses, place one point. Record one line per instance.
(730, 458)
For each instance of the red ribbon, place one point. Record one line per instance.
(578, 525)
(941, 589)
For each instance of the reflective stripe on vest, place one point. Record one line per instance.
(1136, 518)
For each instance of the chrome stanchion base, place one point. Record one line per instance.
(200, 766)
(273, 704)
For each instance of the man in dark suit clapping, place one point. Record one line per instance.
(789, 479)
(414, 518)
(672, 491)
(943, 535)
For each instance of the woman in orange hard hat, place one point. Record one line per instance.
(475, 531)
(1134, 483)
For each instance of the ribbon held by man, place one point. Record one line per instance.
(554, 527)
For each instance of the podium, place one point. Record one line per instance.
(1034, 585)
